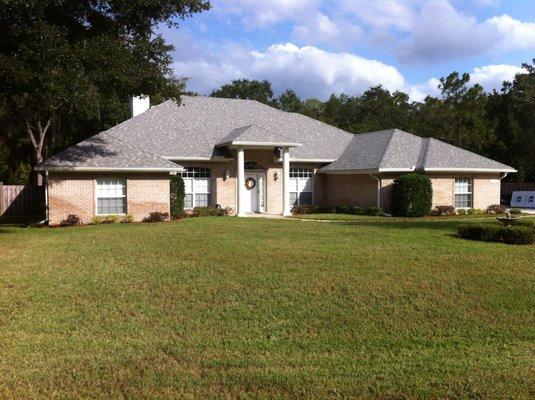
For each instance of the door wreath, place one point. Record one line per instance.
(250, 183)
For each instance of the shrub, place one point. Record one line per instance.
(443, 211)
(518, 235)
(474, 211)
(481, 232)
(523, 222)
(412, 195)
(177, 195)
(373, 211)
(156, 217)
(515, 211)
(303, 210)
(105, 219)
(127, 219)
(496, 209)
(71, 220)
(497, 233)
(210, 212)
(461, 211)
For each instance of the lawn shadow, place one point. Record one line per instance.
(406, 225)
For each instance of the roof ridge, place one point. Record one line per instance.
(391, 131)
(425, 151)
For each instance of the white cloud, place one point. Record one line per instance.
(308, 70)
(261, 13)
(442, 33)
(398, 14)
(322, 29)
(492, 76)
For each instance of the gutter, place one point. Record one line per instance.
(47, 211)
(106, 169)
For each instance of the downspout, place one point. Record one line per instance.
(47, 218)
(378, 189)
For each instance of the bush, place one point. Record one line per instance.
(523, 222)
(461, 211)
(178, 193)
(474, 211)
(443, 211)
(481, 232)
(518, 235)
(157, 217)
(71, 220)
(370, 211)
(498, 233)
(127, 219)
(412, 195)
(210, 212)
(496, 209)
(515, 211)
(105, 219)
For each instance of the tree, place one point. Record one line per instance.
(60, 58)
(247, 90)
(289, 101)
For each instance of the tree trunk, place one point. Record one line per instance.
(38, 143)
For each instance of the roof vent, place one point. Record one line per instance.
(140, 104)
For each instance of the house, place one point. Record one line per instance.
(252, 158)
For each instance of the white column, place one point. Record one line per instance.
(286, 211)
(241, 182)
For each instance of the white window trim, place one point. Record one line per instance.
(193, 192)
(95, 190)
(311, 177)
(471, 193)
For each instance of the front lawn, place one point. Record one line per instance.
(254, 308)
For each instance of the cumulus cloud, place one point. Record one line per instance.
(492, 76)
(255, 13)
(321, 29)
(442, 33)
(309, 70)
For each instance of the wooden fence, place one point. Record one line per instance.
(21, 199)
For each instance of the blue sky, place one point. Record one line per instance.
(319, 47)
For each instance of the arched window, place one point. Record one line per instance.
(253, 165)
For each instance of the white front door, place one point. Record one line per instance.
(251, 193)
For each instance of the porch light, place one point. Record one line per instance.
(227, 175)
(275, 176)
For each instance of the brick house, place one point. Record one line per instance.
(252, 158)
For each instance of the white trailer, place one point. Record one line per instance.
(523, 199)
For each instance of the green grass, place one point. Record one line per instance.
(366, 218)
(253, 308)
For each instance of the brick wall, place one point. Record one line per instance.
(350, 190)
(74, 193)
(486, 189)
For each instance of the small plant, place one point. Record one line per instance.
(373, 211)
(157, 217)
(515, 211)
(127, 219)
(496, 209)
(210, 212)
(474, 211)
(105, 219)
(444, 211)
(461, 211)
(412, 195)
(71, 220)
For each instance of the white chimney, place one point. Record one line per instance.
(140, 104)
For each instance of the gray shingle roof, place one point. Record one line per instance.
(398, 150)
(255, 134)
(198, 127)
(106, 152)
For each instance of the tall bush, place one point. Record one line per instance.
(177, 195)
(412, 196)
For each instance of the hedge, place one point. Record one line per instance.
(412, 196)
(498, 233)
(370, 211)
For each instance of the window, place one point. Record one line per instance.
(301, 186)
(463, 193)
(197, 185)
(531, 199)
(111, 196)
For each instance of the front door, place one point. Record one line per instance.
(251, 193)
